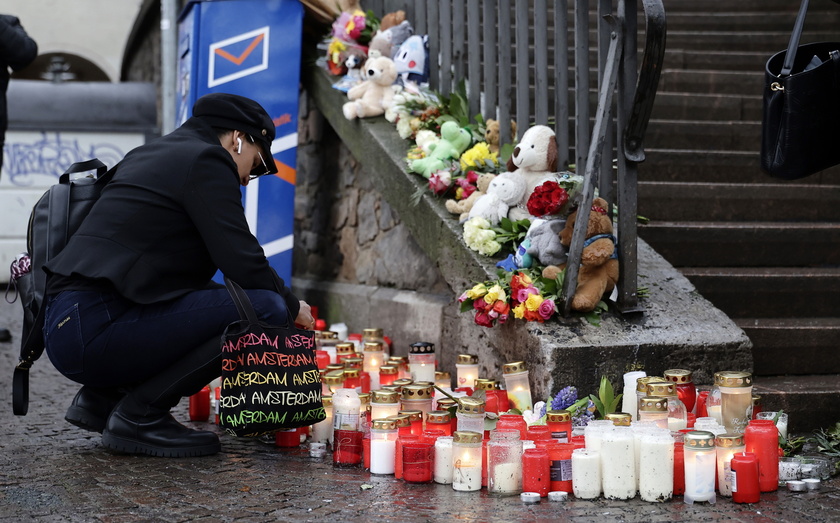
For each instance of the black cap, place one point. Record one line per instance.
(231, 111)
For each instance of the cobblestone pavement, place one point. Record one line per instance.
(53, 471)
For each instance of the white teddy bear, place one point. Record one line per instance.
(535, 159)
(374, 95)
(503, 192)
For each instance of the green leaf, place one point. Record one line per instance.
(467, 305)
(598, 406)
(414, 199)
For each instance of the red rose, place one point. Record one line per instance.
(546, 199)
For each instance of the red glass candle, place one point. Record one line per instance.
(387, 375)
(287, 438)
(416, 419)
(366, 451)
(537, 433)
(491, 403)
(403, 424)
(440, 420)
(352, 379)
(364, 379)
(560, 425)
(679, 468)
(745, 478)
(347, 447)
(686, 391)
(200, 405)
(700, 404)
(398, 458)
(579, 441)
(560, 458)
(536, 472)
(762, 439)
(690, 419)
(431, 435)
(513, 421)
(484, 441)
(504, 402)
(756, 405)
(322, 358)
(418, 461)
(218, 396)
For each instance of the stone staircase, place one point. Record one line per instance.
(766, 252)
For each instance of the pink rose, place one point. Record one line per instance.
(546, 309)
(522, 294)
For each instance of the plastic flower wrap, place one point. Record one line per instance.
(480, 237)
(351, 31)
(440, 181)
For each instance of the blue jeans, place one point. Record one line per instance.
(103, 340)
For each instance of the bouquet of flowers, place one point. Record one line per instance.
(351, 33)
(528, 297)
(548, 198)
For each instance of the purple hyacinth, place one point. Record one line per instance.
(582, 417)
(565, 398)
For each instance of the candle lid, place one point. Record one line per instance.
(326, 335)
(486, 384)
(678, 375)
(327, 401)
(334, 377)
(422, 347)
(445, 403)
(662, 388)
(353, 363)
(699, 440)
(401, 420)
(373, 346)
(364, 397)
(395, 388)
(730, 440)
(733, 379)
(351, 373)
(513, 367)
(335, 366)
(413, 415)
(438, 416)
(384, 424)
(399, 360)
(653, 404)
(345, 348)
(372, 333)
(471, 406)
(388, 370)
(442, 375)
(558, 416)
(417, 391)
(466, 436)
(641, 383)
(402, 382)
(384, 396)
(466, 359)
(620, 419)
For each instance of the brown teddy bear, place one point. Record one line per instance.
(598, 273)
(463, 207)
(392, 19)
(376, 93)
(491, 134)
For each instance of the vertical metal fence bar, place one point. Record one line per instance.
(581, 83)
(474, 57)
(418, 20)
(606, 176)
(505, 74)
(540, 62)
(522, 67)
(561, 81)
(377, 6)
(433, 23)
(491, 37)
(458, 41)
(445, 22)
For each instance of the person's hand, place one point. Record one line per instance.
(304, 317)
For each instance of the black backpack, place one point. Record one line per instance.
(56, 217)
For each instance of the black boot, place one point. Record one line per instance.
(91, 407)
(155, 434)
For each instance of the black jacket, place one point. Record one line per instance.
(168, 219)
(17, 50)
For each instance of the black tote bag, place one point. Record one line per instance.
(270, 379)
(800, 132)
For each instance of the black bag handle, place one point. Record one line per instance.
(80, 167)
(790, 55)
(241, 301)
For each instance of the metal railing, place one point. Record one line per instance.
(495, 45)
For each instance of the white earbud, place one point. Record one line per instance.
(239, 148)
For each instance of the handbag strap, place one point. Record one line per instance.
(790, 55)
(241, 301)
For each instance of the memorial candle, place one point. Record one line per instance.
(686, 390)
(387, 374)
(517, 385)
(383, 442)
(470, 415)
(373, 360)
(421, 361)
(700, 467)
(762, 439)
(656, 466)
(439, 420)
(744, 478)
(629, 401)
(536, 471)
(586, 473)
(560, 424)
(504, 463)
(322, 431)
(466, 370)
(618, 467)
(443, 460)
(418, 461)
(735, 399)
(466, 461)
(726, 446)
(383, 404)
(398, 455)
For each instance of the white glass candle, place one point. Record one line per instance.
(656, 466)
(677, 413)
(655, 409)
(700, 467)
(713, 404)
(443, 460)
(781, 421)
(517, 385)
(466, 461)
(374, 358)
(346, 405)
(594, 431)
(383, 442)
(470, 415)
(504, 463)
(466, 370)
(629, 402)
(384, 404)
(618, 467)
(326, 341)
(641, 428)
(586, 473)
(323, 430)
(726, 446)
(421, 361)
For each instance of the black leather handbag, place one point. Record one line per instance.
(800, 131)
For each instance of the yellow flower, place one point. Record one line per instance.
(477, 156)
(519, 311)
(533, 302)
(495, 293)
(476, 292)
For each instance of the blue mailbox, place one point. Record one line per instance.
(251, 48)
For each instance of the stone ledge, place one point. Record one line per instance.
(679, 328)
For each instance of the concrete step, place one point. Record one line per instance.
(812, 402)
(793, 345)
(670, 105)
(727, 60)
(751, 41)
(774, 292)
(745, 244)
(718, 202)
(731, 135)
(760, 20)
(712, 81)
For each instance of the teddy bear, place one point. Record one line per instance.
(392, 19)
(463, 207)
(535, 159)
(505, 190)
(545, 244)
(388, 41)
(376, 93)
(598, 273)
(454, 140)
(492, 134)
